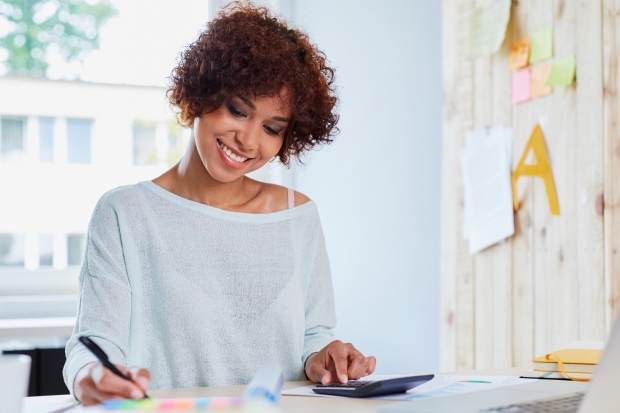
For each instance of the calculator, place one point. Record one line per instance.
(371, 388)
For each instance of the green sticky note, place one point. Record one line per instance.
(562, 72)
(541, 47)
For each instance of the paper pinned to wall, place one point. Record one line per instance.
(488, 213)
(541, 46)
(475, 137)
(540, 74)
(519, 53)
(487, 28)
(521, 86)
(562, 72)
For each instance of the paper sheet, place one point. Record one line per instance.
(519, 53)
(489, 216)
(439, 386)
(474, 137)
(562, 72)
(487, 28)
(521, 86)
(541, 46)
(540, 74)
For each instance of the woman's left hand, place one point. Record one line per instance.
(338, 362)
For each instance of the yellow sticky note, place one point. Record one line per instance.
(541, 169)
(541, 46)
(519, 53)
(562, 72)
(540, 74)
(487, 28)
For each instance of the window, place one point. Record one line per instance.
(75, 248)
(144, 150)
(78, 141)
(46, 250)
(12, 250)
(12, 139)
(46, 139)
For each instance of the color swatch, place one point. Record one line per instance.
(177, 405)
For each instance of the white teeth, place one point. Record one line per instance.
(231, 155)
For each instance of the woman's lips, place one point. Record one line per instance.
(228, 161)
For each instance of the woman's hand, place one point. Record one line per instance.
(95, 383)
(338, 362)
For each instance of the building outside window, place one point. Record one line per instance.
(45, 211)
(12, 139)
(78, 141)
(46, 139)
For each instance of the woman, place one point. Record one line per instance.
(202, 275)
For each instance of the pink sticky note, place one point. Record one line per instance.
(521, 81)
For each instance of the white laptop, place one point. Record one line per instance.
(602, 395)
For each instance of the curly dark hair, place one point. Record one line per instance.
(247, 51)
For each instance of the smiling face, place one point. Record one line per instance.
(241, 136)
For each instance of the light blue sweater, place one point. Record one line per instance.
(201, 296)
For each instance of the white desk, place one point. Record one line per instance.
(288, 404)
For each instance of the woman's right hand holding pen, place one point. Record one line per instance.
(94, 383)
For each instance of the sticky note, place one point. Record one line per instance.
(540, 74)
(562, 72)
(487, 28)
(541, 46)
(521, 80)
(519, 53)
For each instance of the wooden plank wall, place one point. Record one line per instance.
(558, 278)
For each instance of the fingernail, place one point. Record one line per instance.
(143, 382)
(344, 378)
(365, 374)
(136, 394)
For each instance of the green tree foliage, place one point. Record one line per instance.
(35, 32)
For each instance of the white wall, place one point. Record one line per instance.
(378, 185)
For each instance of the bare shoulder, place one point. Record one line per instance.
(275, 197)
(300, 198)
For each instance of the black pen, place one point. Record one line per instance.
(103, 358)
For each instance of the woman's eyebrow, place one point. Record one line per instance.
(251, 106)
(247, 102)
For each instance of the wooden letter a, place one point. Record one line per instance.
(541, 169)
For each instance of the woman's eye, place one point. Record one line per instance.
(235, 111)
(272, 131)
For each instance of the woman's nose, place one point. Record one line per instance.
(249, 137)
